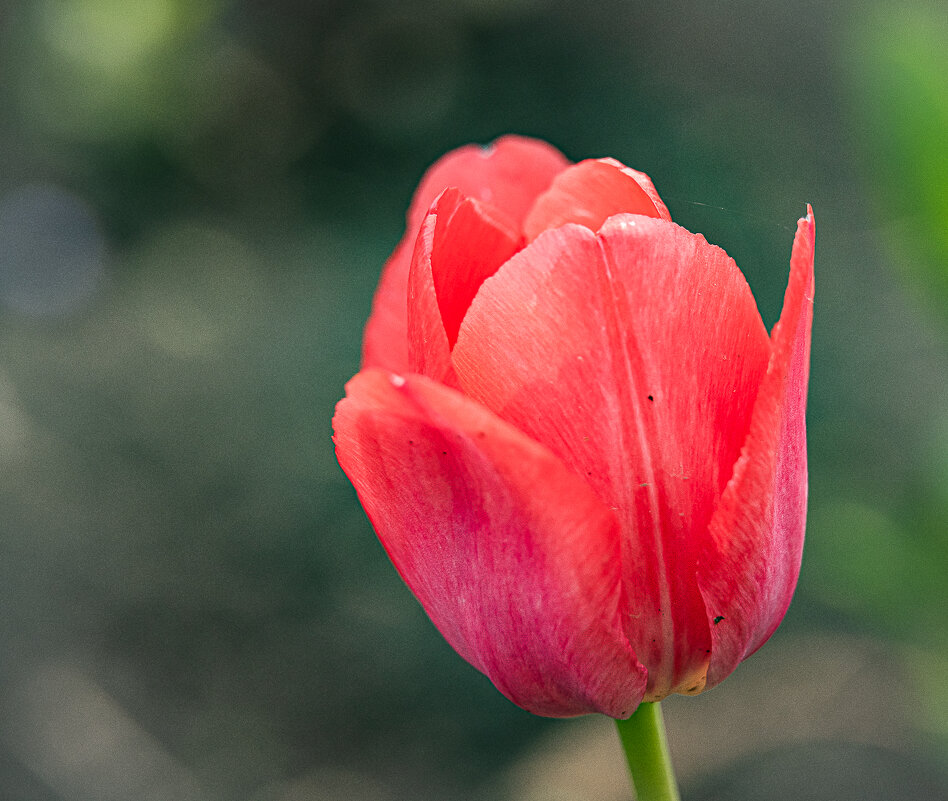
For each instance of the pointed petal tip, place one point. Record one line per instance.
(753, 561)
(802, 257)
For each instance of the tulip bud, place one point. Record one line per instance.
(573, 434)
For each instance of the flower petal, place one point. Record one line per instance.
(513, 557)
(590, 192)
(429, 352)
(459, 245)
(752, 558)
(385, 339)
(635, 356)
(508, 175)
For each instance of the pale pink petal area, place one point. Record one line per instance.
(635, 356)
(752, 559)
(512, 556)
(507, 175)
(590, 192)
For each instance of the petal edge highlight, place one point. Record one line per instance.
(751, 562)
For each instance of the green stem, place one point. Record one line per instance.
(646, 749)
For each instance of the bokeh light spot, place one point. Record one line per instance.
(233, 121)
(51, 251)
(400, 73)
(198, 286)
(110, 34)
(16, 428)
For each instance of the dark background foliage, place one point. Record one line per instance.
(195, 202)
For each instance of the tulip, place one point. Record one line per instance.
(573, 434)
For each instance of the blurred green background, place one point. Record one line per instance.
(195, 202)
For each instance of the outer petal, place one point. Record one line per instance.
(752, 559)
(385, 339)
(508, 175)
(591, 191)
(636, 357)
(514, 558)
(459, 245)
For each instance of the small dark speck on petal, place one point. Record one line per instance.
(718, 619)
(651, 398)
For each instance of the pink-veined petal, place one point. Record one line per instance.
(752, 560)
(590, 192)
(513, 557)
(635, 356)
(507, 175)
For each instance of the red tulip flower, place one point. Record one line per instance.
(573, 434)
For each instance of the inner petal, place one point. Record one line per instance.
(508, 175)
(590, 192)
(468, 246)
